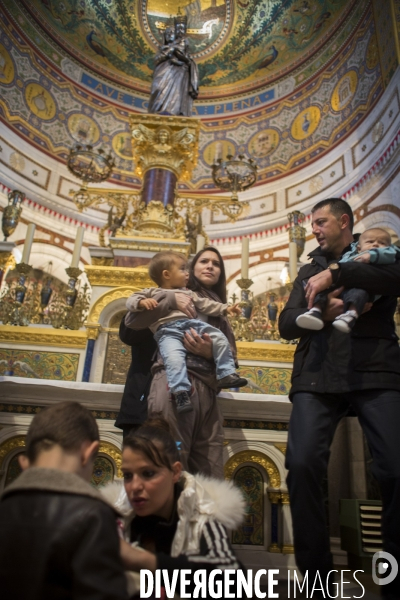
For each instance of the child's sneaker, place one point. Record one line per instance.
(232, 381)
(312, 319)
(346, 321)
(183, 403)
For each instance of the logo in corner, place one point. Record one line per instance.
(384, 568)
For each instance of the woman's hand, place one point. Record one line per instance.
(198, 345)
(234, 310)
(185, 304)
(148, 303)
(134, 559)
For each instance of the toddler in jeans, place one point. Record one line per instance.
(169, 271)
(374, 247)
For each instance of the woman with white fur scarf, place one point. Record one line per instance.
(179, 521)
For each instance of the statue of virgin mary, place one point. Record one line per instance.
(176, 79)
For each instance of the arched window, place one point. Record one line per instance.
(251, 532)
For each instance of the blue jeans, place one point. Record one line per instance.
(169, 338)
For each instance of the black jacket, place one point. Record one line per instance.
(58, 540)
(328, 361)
(133, 409)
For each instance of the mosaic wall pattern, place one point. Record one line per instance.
(117, 361)
(39, 365)
(251, 483)
(320, 105)
(263, 380)
(103, 472)
(266, 380)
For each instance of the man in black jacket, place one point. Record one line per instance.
(334, 372)
(59, 538)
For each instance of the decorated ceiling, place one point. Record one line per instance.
(239, 45)
(281, 80)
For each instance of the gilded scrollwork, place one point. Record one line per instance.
(265, 352)
(285, 498)
(166, 142)
(253, 456)
(281, 447)
(38, 336)
(114, 453)
(7, 260)
(106, 299)
(274, 496)
(110, 276)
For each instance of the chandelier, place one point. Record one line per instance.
(89, 165)
(234, 174)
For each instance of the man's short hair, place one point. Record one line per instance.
(66, 424)
(338, 207)
(163, 261)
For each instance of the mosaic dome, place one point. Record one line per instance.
(239, 45)
(282, 81)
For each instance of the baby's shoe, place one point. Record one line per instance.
(183, 403)
(346, 321)
(231, 381)
(312, 319)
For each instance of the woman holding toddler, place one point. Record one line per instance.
(199, 431)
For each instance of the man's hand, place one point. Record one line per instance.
(364, 258)
(135, 559)
(148, 303)
(185, 304)
(334, 307)
(317, 283)
(234, 310)
(198, 345)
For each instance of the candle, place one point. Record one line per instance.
(218, 151)
(80, 232)
(200, 241)
(292, 261)
(245, 258)
(28, 243)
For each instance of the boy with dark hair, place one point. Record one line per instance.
(59, 537)
(169, 271)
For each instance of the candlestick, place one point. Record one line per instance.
(28, 243)
(80, 232)
(245, 257)
(292, 261)
(200, 241)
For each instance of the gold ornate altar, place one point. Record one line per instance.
(256, 430)
(164, 150)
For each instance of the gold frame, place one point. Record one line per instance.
(253, 456)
